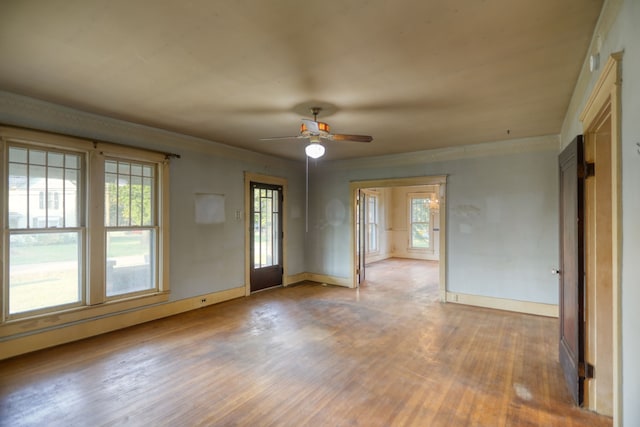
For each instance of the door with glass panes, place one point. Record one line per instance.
(266, 236)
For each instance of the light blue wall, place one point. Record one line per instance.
(203, 258)
(502, 226)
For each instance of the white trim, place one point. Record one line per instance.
(329, 280)
(527, 307)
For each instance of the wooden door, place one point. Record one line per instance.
(266, 240)
(571, 168)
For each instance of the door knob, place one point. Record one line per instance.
(555, 271)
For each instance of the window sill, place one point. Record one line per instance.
(40, 322)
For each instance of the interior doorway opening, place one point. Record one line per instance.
(399, 218)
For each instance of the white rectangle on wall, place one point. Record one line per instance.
(209, 208)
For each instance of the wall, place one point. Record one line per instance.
(501, 215)
(618, 30)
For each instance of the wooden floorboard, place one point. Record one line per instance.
(389, 354)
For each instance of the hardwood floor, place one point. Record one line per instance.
(308, 355)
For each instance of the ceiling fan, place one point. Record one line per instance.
(315, 131)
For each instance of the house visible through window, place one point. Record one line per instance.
(45, 239)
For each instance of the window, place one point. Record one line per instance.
(372, 222)
(45, 239)
(85, 226)
(130, 226)
(419, 219)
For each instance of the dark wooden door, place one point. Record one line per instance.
(266, 239)
(571, 164)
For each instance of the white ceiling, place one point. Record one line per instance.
(414, 74)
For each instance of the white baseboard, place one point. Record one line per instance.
(320, 278)
(295, 278)
(528, 307)
(330, 280)
(67, 333)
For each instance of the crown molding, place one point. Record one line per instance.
(488, 149)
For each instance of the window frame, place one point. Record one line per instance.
(372, 228)
(410, 198)
(153, 227)
(93, 244)
(29, 228)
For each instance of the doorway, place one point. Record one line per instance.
(602, 238)
(373, 233)
(265, 237)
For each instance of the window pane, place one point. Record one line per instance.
(110, 200)
(43, 270)
(37, 192)
(420, 235)
(55, 159)
(71, 199)
(72, 161)
(130, 261)
(18, 155)
(110, 166)
(37, 185)
(37, 157)
(128, 197)
(147, 201)
(123, 168)
(18, 196)
(419, 210)
(55, 187)
(136, 201)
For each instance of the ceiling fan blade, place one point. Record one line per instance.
(281, 137)
(356, 138)
(312, 126)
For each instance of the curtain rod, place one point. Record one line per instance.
(94, 140)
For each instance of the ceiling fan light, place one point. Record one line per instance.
(314, 150)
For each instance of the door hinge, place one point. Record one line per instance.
(586, 370)
(589, 169)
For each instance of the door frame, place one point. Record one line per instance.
(441, 181)
(606, 99)
(360, 239)
(264, 179)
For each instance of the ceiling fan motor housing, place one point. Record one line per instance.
(322, 127)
